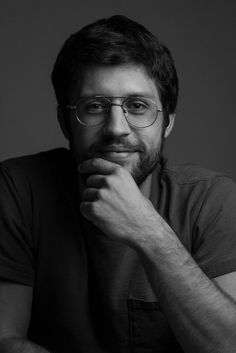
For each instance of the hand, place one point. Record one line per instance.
(113, 202)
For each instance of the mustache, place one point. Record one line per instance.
(116, 143)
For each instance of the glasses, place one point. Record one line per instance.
(139, 112)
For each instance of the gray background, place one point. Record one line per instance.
(200, 34)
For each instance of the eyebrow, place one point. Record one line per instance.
(144, 94)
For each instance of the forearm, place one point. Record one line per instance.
(19, 345)
(201, 315)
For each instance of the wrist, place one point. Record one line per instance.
(157, 238)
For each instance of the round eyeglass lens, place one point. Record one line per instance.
(141, 112)
(92, 111)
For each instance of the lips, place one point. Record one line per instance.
(114, 152)
(117, 149)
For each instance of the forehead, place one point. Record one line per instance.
(116, 81)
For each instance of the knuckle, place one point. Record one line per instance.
(107, 181)
(92, 207)
(118, 170)
(94, 181)
(101, 194)
(93, 162)
(90, 194)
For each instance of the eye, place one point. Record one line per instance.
(136, 106)
(94, 106)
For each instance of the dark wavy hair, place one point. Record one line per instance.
(114, 41)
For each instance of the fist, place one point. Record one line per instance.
(113, 202)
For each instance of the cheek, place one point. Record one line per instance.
(151, 137)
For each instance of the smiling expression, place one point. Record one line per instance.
(137, 150)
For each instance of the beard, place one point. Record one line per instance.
(147, 164)
(148, 159)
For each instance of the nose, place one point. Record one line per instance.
(116, 123)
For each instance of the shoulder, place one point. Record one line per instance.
(197, 201)
(197, 186)
(41, 160)
(37, 171)
(191, 174)
(38, 165)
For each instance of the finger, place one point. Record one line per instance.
(86, 209)
(97, 165)
(95, 181)
(90, 194)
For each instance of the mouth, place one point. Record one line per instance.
(114, 152)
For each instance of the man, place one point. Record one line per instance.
(107, 248)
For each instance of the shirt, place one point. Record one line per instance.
(90, 293)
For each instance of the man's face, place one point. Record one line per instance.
(137, 150)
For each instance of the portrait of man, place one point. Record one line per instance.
(106, 246)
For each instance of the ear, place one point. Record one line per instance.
(64, 123)
(170, 125)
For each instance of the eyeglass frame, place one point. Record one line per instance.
(115, 104)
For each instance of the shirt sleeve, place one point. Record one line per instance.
(16, 245)
(215, 248)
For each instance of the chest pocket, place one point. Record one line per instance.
(149, 331)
